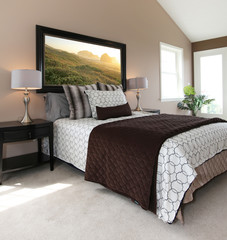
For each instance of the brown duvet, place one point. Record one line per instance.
(122, 155)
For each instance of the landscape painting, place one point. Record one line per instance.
(74, 62)
(68, 58)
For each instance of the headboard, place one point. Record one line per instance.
(71, 58)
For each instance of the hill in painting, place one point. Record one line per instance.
(62, 67)
(106, 58)
(88, 55)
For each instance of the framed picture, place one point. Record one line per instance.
(71, 58)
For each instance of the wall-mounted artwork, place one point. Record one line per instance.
(70, 58)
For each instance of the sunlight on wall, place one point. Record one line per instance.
(18, 197)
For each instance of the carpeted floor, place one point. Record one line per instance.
(37, 204)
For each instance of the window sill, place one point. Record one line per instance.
(171, 99)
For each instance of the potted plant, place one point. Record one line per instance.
(192, 101)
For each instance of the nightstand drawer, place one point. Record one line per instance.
(40, 132)
(26, 134)
(18, 135)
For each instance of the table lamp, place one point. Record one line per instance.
(26, 79)
(138, 83)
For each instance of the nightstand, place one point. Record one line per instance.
(15, 131)
(157, 111)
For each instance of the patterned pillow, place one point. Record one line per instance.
(108, 87)
(78, 101)
(105, 99)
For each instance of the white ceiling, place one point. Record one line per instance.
(198, 19)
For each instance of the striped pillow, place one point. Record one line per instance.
(79, 106)
(108, 87)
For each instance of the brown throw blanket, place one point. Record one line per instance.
(122, 155)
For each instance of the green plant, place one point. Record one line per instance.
(192, 101)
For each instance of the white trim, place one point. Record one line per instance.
(171, 99)
(197, 74)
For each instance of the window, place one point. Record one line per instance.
(210, 67)
(171, 66)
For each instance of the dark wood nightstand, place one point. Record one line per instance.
(16, 131)
(157, 111)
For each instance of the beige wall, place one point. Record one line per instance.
(140, 24)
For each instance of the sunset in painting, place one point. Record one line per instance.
(75, 62)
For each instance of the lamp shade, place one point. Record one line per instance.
(137, 83)
(26, 79)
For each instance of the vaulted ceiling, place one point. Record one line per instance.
(198, 19)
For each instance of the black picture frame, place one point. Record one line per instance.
(42, 31)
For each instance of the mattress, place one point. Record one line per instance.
(178, 156)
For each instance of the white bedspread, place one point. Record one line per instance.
(178, 156)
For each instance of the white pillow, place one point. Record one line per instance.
(105, 99)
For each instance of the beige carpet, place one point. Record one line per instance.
(39, 204)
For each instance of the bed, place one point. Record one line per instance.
(185, 161)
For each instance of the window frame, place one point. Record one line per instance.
(179, 71)
(197, 81)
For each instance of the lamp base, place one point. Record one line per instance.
(26, 119)
(138, 107)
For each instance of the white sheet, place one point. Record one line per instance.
(71, 138)
(178, 156)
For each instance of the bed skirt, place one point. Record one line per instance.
(205, 172)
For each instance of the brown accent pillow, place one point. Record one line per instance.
(113, 112)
